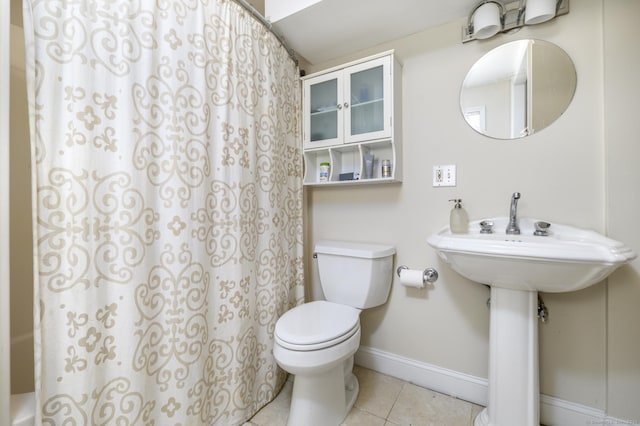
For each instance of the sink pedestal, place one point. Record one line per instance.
(514, 395)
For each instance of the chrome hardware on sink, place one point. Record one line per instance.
(542, 228)
(513, 228)
(543, 313)
(486, 227)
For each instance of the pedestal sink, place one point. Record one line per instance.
(517, 267)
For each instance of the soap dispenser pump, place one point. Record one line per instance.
(458, 219)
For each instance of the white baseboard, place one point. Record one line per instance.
(449, 382)
(553, 411)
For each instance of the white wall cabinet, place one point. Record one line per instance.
(350, 111)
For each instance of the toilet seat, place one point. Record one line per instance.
(316, 325)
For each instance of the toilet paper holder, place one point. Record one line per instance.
(430, 275)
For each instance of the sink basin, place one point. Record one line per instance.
(568, 259)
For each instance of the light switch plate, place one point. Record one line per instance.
(444, 175)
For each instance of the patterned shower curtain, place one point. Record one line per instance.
(167, 183)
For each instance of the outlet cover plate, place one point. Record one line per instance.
(444, 175)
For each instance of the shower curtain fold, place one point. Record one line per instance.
(167, 209)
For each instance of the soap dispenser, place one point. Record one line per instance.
(458, 219)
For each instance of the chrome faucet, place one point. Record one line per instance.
(513, 228)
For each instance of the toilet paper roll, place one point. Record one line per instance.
(412, 278)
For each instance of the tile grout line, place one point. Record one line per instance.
(395, 401)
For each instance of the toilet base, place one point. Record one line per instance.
(482, 419)
(324, 399)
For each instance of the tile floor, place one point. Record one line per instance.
(384, 401)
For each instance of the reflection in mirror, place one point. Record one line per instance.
(518, 89)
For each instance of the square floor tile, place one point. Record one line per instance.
(378, 392)
(417, 406)
(358, 417)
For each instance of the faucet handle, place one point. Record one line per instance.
(486, 227)
(542, 228)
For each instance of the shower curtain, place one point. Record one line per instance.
(167, 183)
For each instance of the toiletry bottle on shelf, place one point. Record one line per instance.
(458, 219)
(324, 172)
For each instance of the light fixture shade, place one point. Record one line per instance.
(486, 21)
(538, 11)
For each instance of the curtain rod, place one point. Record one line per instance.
(269, 27)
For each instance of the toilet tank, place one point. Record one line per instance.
(355, 274)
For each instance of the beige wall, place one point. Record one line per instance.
(622, 142)
(552, 80)
(561, 175)
(496, 98)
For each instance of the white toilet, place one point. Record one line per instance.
(316, 341)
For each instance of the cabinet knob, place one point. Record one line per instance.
(346, 104)
(339, 106)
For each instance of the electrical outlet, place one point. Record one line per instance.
(444, 175)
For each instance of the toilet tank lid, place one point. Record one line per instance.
(352, 249)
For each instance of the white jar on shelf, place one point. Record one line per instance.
(325, 168)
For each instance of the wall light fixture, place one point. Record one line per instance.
(491, 17)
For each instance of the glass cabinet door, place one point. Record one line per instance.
(323, 107)
(368, 115)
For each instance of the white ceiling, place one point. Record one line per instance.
(334, 28)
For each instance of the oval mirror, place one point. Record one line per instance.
(518, 89)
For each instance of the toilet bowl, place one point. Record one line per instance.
(316, 341)
(324, 387)
(23, 409)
